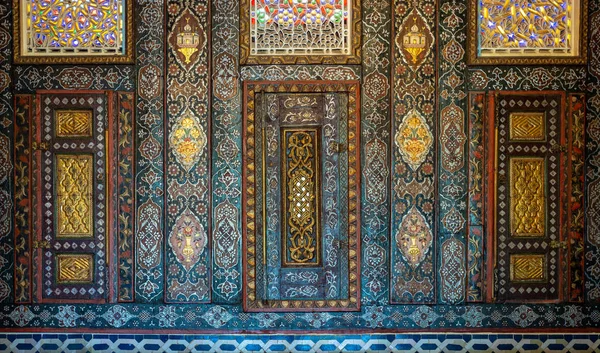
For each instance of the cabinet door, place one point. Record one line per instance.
(530, 182)
(305, 171)
(71, 234)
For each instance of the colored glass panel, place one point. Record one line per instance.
(58, 28)
(291, 27)
(528, 28)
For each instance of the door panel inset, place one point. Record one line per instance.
(528, 205)
(301, 197)
(73, 186)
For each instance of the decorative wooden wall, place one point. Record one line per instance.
(182, 195)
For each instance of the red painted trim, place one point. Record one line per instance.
(38, 206)
(118, 201)
(489, 182)
(25, 260)
(482, 274)
(564, 161)
(358, 201)
(243, 206)
(111, 203)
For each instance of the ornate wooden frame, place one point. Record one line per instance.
(475, 59)
(251, 301)
(355, 45)
(127, 58)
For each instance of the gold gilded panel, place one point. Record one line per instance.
(74, 182)
(528, 267)
(527, 196)
(73, 123)
(301, 246)
(74, 268)
(528, 126)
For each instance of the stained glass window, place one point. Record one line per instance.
(309, 28)
(528, 28)
(73, 28)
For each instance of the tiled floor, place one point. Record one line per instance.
(299, 343)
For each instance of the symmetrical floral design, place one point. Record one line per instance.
(414, 140)
(187, 140)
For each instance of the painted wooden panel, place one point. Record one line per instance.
(529, 182)
(301, 179)
(71, 234)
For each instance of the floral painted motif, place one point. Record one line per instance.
(414, 139)
(414, 237)
(187, 140)
(188, 239)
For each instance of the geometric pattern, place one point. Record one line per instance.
(73, 123)
(72, 236)
(74, 268)
(273, 281)
(527, 201)
(225, 166)
(527, 196)
(524, 268)
(376, 343)
(74, 180)
(195, 318)
(527, 126)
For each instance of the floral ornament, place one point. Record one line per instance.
(187, 140)
(414, 139)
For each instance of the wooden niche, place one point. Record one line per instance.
(301, 196)
(534, 185)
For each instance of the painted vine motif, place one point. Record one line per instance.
(6, 155)
(125, 197)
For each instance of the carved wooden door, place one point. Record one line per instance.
(304, 177)
(71, 235)
(529, 184)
